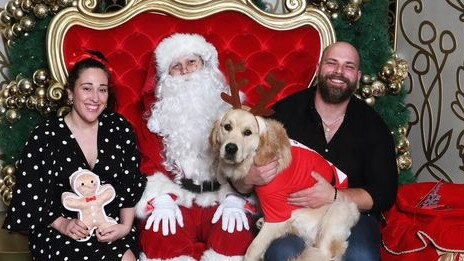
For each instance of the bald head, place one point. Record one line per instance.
(344, 50)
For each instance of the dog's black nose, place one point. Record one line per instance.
(231, 148)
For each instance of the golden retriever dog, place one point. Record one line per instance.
(241, 139)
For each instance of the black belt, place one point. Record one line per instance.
(206, 186)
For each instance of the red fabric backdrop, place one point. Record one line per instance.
(291, 56)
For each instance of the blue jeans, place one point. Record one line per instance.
(364, 243)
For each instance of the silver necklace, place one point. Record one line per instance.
(328, 126)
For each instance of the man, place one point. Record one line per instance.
(348, 133)
(180, 206)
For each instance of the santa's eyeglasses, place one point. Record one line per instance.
(186, 65)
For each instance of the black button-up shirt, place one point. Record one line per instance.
(363, 147)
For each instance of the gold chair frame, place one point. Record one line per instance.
(299, 14)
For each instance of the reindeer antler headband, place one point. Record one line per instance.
(266, 95)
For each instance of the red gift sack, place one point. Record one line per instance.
(426, 223)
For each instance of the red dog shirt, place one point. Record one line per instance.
(273, 196)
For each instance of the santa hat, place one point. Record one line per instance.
(179, 45)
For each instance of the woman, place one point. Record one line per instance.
(89, 137)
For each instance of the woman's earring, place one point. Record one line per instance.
(70, 102)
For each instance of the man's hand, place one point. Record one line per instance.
(262, 175)
(316, 196)
(232, 210)
(167, 213)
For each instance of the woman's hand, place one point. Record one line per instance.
(113, 233)
(73, 228)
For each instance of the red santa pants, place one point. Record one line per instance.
(198, 233)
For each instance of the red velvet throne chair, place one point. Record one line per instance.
(286, 46)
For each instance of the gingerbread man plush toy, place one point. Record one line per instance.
(89, 200)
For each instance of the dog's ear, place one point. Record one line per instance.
(213, 136)
(274, 143)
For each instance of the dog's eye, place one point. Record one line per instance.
(228, 127)
(247, 132)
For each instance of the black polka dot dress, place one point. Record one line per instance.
(50, 156)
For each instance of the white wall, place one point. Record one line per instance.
(430, 37)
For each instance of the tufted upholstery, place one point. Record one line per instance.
(290, 56)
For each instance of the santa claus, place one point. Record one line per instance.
(187, 210)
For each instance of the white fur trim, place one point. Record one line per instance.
(179, 258)
(178, 45)
(158, 184)
(211, 255)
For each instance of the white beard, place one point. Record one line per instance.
(183, 115)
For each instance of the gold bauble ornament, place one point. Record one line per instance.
(40, 92)
(5, 92)
(370, 101)
(10, 102)
(12, 115)
(403, 145)
(11, 8)
(356, 2)
(25, 86)
(5, 19)
(16, 3)
(2, 189)
(7, 197)
(18, 30)
(5, 191)
(12, 88)
(332, 6)
(9, 180)
(394, 88)
(1, 182)
(334, 16)
(27, 5)
(41, 77)
(378, 89)
(10, 43)
(41, 103)
(352, 12)
(20, 101)
(366, 79)
(41, 11)
(8, 33)
(31, 102)
(28, 23)
(8, 170)
(403, 131)
(387, 72)
(401, 69)
(404, 161)
(366, 91)
(18, 14)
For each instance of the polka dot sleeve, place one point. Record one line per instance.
(31, 202)
(130, 181)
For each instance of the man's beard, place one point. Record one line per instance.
(334, 95)
(183, 116)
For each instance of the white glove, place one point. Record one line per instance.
(167, 212)
(232, 210)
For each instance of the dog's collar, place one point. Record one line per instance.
(205, 186)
